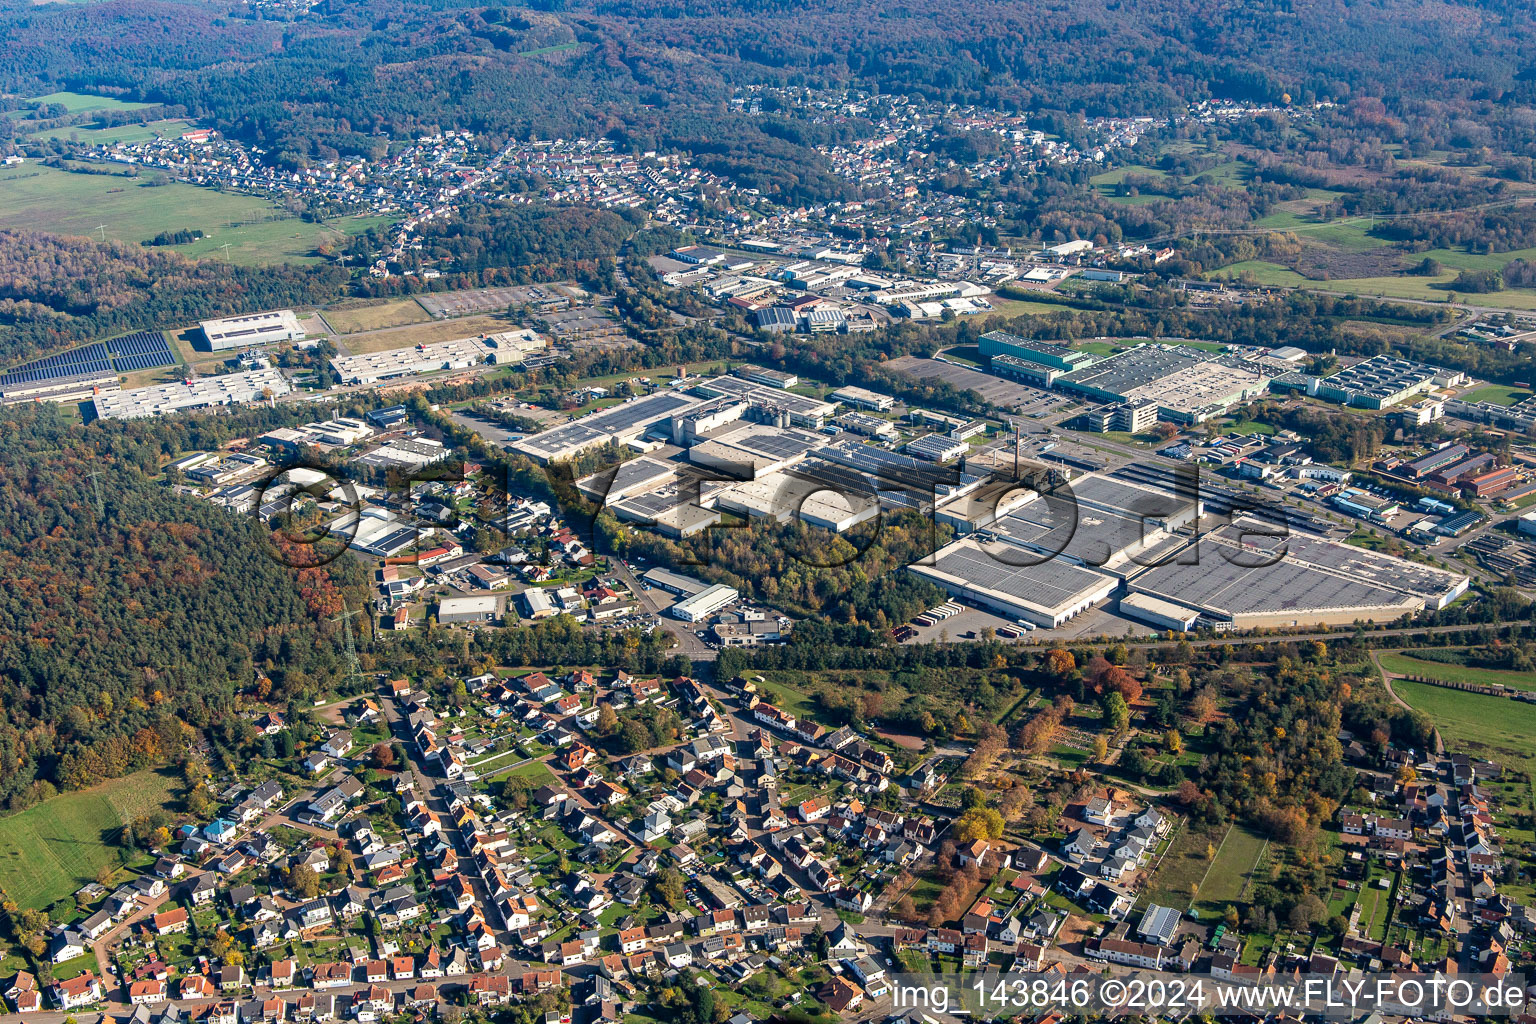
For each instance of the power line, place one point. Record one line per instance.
(354, 673)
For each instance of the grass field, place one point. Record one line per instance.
(374, 315)
(47, 199)
(1392, 287)
(1496, 728)
(1350, 233)
(79, 102)
(1007, 309)
(1498, 394)
(536, 772)
(1410, 665)
(122, 133)
(276, 241)
(1119, 174)
(422, 334)
(1229, 871)
(557, 48)
(1204, 346)
(1183, 866)
(1251, 427)
(49, 851)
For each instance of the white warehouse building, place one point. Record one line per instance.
(256, 329)
(705, 603)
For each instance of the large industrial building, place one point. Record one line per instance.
(1250, 580)
(863, 398)
(1042, 353)
(1379, 381)
(256, 329)
(404, 453)
(193, 393)
(1001, 578)
(372, 367)
(692, 417)
(616, 424)
(1188, 386)
(1055, 526)
(1052, 555)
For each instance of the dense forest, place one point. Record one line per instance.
(128, 613)
(57, 290)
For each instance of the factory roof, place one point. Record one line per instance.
(1050, 586)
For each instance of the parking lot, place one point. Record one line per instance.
(999, 391)
(969, 623)
(490, 300)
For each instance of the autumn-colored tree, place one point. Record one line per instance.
(1118, 680)
(1060, 663)
(383, 755)
(303, 881)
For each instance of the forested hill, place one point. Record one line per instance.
(660, 72)
(57, 290)
(119, 625)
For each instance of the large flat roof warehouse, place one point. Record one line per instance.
(673, 582)
(617, 423)
(772, 441)
(936, 448)
(1246, 587)
(994, 390)
(1115, 378)
(813, 499)
(677, 507)
(1043, 353)
(1205, 389)
(194, 393)
(1047, 593)
(1134, 500)
(765, 376)
(705, 603)
(405, 453)
(1160, 613)
(466, 609)
(1438, 587)
(254, 329)
(901, 480)
(1053, 527)
(405, 362)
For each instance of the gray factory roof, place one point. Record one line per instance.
(561, 439)
(1231, 581)
(800, 405)
(1134, 368)
(1362, 564)
(1381, 375)
(1131, 499)
(1057, 527)
(1051, 585)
